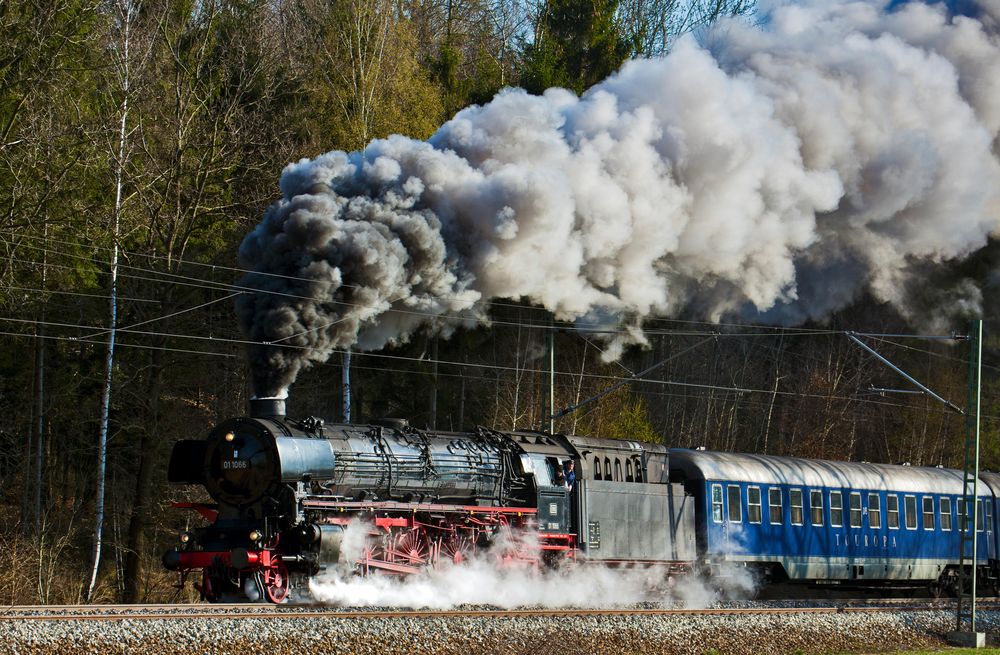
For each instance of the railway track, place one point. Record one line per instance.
(743, 628)
(248, 611)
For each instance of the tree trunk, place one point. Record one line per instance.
(39, 427)
(39, 402)
(127, 10)
(148, 449)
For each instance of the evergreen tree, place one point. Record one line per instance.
(577, 44)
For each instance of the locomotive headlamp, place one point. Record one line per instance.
(185, 537)
(255, 536)
(230, 436)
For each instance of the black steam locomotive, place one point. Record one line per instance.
(286, 490)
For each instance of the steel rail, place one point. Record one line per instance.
(241, 612)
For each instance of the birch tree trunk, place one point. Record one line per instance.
(121, 61)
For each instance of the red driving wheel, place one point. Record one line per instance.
(276, 582)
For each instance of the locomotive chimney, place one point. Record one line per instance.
(273, 407)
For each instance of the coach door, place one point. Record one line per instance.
(734, 508)
(727, 510)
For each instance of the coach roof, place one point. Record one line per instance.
(767, 469)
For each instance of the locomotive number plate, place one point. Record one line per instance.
(594, 536)
(231, 464)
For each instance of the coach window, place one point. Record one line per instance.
(989, 516)
(946, 514)
(618, 469)
(816, 507)
(638, 471)
(892, 509)
(910, 508)
(717, 503)
(836, 509)
(874, 511)
(753, 504)
(628, 471)
(607, 469)
(774, 506)
(735, 506)
(928, 511)
(980, 520)
(962, 506)
(597, 468)
(795, 502)
(855, 501)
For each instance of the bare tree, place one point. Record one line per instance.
(653, 25)
(354, 47)
(127, 50)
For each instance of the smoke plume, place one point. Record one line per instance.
(776, 171)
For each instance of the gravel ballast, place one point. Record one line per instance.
(557, 635)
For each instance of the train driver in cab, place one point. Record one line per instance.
(569, 474)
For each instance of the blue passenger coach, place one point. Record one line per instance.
(824, 522)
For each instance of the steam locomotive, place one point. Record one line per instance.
(286, 491)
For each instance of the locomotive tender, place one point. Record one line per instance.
(287, 490)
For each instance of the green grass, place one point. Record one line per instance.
(950, 651)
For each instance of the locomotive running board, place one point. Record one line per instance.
(396, 506)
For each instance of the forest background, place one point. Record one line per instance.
(155, 132)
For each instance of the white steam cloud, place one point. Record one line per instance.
(842, 148)
(481, 580)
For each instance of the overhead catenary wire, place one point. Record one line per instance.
(611, 378)
(60, 292)
(130, 329)
(474, 321)
(543, 325)
(213, 285)
(491, 302)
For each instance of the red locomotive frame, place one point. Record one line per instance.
(403, 539)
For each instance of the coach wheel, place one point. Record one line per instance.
(936, 589)
(276, 582)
